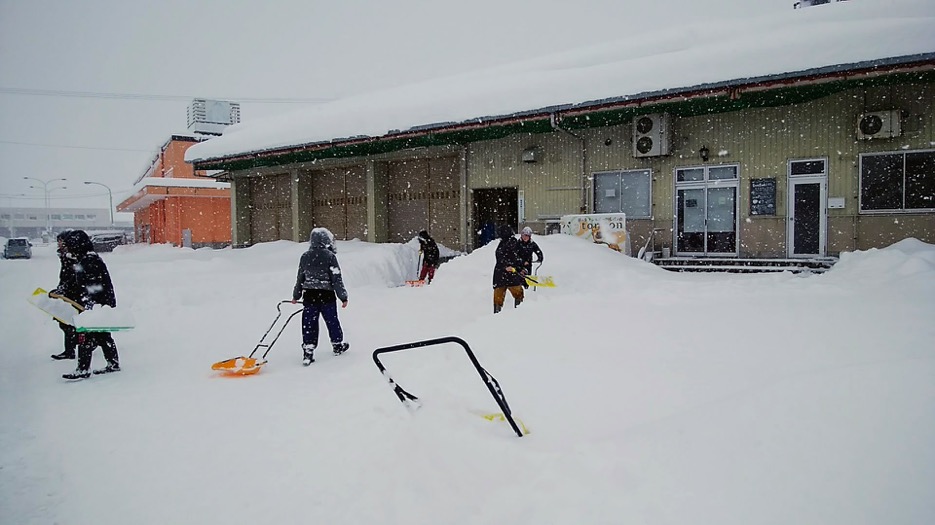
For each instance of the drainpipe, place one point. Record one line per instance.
(555, 120)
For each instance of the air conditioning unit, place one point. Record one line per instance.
(879, 125)
(651, 135)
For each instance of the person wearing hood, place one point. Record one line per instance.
(430, 256)
(527, 247)
(95, 289)
(319, 284)
(68, 288)
(508, 273)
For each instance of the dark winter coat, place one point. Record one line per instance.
(507, 256)
(91, 276)
(67, 282)
(430, 255)
(319, 269)
(526, 249)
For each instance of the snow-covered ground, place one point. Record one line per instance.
(652, 397)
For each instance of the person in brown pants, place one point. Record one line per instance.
(508, 273)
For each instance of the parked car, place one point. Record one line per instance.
(106, 242)
(17, 248)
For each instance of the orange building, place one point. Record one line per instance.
(173, 203)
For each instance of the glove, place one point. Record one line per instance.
(81, 338)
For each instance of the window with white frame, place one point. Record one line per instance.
(903, 181)
(626, 191)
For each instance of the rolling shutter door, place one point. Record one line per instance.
(424, 194)
(272, 213)
(339, 201)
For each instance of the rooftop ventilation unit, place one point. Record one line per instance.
(210, 117)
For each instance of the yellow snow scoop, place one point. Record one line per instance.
(61, 308)
(249, 365)
(540, 281)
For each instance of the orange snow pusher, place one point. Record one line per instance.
(249, 365)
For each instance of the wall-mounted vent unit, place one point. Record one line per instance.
(651, 135)
(879, 125)
(531, 154)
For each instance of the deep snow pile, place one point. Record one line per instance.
(652, 397)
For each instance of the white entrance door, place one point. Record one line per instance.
(807, 218)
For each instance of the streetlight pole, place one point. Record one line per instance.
(46, 190)
(110, 195)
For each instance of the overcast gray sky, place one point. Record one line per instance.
(89, 90)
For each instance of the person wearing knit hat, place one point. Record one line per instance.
(526, 247)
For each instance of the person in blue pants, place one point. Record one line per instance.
(319, 284)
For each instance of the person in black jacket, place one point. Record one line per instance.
(430, 256)
(318, 283)
(95, 289)
(508, 270)
(67, 287)
(527, 247)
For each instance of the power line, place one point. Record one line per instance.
(151, 150)
(146, 96)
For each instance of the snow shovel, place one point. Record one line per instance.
(535, 271)
(417, 282)
(250, 365)
(540, 281)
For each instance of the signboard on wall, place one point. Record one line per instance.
(763, 196)
(603, 228)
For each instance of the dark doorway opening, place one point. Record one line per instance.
(493, 207)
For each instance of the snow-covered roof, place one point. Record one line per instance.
(670, 58)
(180, 183)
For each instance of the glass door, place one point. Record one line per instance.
(808, 212)
(706, 210)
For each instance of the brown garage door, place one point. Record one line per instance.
(272, 213)
(424, 194)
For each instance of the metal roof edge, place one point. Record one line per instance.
(584, 107)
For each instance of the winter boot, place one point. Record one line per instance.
(111, 367)
(77, 375)
(308, 354)
(340, 348)
(66, 354)
(497, 308)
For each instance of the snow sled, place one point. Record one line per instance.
(415, 283)
(249, 365)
